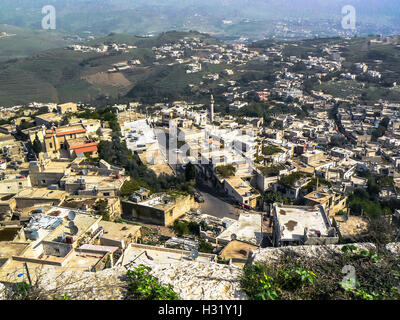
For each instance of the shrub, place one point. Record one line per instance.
(226, 171)
(143, 286)
(270, 150)
(205, 246)
(297, 277)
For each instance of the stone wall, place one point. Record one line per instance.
(191, 280)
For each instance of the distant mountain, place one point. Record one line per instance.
(222, 17)
(62, 75)
(18, 42)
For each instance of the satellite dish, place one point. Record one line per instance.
(233, 236)
(71, 215)
(74, 230)
(194, 254)
(71, 224)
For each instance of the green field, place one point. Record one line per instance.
(25, 42)
(61, 75)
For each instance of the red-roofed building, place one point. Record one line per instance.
(263, 95)
(81, 146)
(72, 139)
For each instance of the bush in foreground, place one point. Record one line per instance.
(296, 277)
(143, 286)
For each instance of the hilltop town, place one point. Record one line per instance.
(256, 147)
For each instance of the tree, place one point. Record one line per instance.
(226, 171)
(205, 246)
(190, 172)
(271, 196)
(373, 188)
(102, 209)
(37, 145)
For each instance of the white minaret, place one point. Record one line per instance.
(212, 109)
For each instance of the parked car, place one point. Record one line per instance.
(198, 197)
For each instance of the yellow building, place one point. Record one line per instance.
(331, 201)
(67, 107)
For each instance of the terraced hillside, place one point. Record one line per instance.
(22, 43)
(61, 75)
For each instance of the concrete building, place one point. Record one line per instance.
(247, 229)
(44, 173)
(57, 139)
(160, 209)
(11, 182)
(299, 225)
(331, 201)
(47, 119)
(67, 107)
(34, 197)
(93, 185)
(312, 156)
(241, 191)
(237, 105)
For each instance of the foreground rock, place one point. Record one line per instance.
(191, 280)
(269, 255)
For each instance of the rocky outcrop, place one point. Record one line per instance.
(311, 251)
(2, 291)
(199, 281)
(393, 247)
(191, 280)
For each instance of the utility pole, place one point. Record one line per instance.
(27, 273)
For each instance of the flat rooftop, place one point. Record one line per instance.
(56, 166)
(247, 228)
(41, 193)
(237, 249)
(11, 248)
(136, 254)
(55, 223)
(94, 181)
(158, 202)
(119, 231)
(241, 186)
(294, 219)
(321, 195)
(353, 226)
(50, 116)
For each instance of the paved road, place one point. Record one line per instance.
(215, 205)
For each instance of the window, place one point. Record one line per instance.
(51, 145)
(106, 194)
